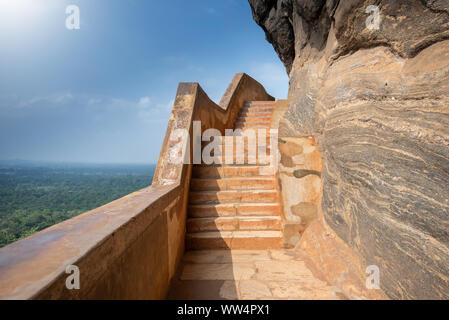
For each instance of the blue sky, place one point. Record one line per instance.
(103, 93)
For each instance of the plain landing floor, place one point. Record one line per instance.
(248, 274)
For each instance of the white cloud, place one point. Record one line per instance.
(93, 101)
(144, 102)
(99, 107)
(151, 112)
(49, 101)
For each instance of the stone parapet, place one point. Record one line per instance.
(129, 248)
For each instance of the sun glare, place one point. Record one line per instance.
(17, 7)
(15, 13)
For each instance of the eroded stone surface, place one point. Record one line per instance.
(300, 178)
(283, 270)
(248, 274)
(376, 102)
(234, 271)
(253, 289)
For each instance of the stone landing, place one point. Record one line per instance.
(248, 275)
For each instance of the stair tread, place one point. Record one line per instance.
(253, 119)
(237, 234)
(257, 106)
(257, 110)
(258, 209)
(264, 115)
(245, 218)
(254, 191)
(256, 114)
(253, 122)
(267, 134)
(259, 178)
(255, 204)
(237, 205)
(251, 125)
(249, 208)
(259, 102)
(199, 166)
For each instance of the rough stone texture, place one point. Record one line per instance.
(377, 102)
(300, 180)
(299, 174)
(248, 274)
(273, 17)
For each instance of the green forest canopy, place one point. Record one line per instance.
(34, 197)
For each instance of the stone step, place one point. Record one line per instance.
(259, 158)
(234, 240)
(246, 162)
(255, 150)
(233, 209)
(234, 223)
(233, 196)
(259, 104)
(259, 107)
(267, 132)
(252, 137)
(256, 111)
(247, 145)
(253, 119)
(252, 126)
(233, 184)
(255, 114)
(248, 122)
(248, 112)
(254, 140)
(231, 171)
(252, 114)
(255, 144)
(259, 161)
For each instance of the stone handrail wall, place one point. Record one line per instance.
(192, 104)
(129, 248)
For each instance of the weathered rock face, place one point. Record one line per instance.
(377, 102)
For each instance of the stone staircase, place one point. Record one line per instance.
(236, 206)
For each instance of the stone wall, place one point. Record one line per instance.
(129, 248)
(122, 251)
(299, 175)
(376, 101)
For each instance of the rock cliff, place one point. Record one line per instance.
(369, 80)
